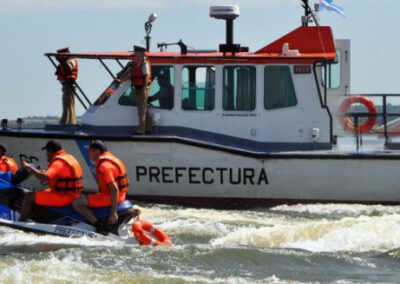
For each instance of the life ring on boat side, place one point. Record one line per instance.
(141, 230)
(346, 121)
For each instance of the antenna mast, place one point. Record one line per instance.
(308, 14)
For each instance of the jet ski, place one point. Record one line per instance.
(61, 221)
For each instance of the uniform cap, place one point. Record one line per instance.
(137, 48)
(53, 145)
(98, 145)
(63, 50)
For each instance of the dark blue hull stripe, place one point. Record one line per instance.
(163, 134)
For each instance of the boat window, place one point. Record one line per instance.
(239, 91)
(129, 97)
(107, 93)
(159, 96)
(198, 88)
(162, 87)
(278, 87)
(333, 73)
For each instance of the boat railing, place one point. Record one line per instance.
(356, 116)
(77, 85)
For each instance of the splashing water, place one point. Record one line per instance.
(284, 244)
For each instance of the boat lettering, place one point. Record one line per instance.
(30, 159)
(62, 230)
(240, 114)
(197, 175)
(302, 69)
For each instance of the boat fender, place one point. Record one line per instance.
(142, 230)
(346, 121)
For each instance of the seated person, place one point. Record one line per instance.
(187, 105)
(6, 163)
(165, 95)
(113, 186)
(63, 175)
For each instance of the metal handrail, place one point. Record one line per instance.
(77, 85)
(384, 114)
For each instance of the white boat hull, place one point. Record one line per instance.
(179, 171)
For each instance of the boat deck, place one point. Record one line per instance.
(370, 147)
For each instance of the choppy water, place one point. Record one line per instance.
(284, 244)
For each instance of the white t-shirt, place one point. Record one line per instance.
(146, 67)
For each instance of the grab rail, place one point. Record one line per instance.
(356, 116)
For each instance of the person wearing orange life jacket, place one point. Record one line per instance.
(141, 79)
(113, 186)
(7, 164)
(63, 175)
(67, 73)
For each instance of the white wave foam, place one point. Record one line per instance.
(338, 209)
(223, 216)
(13, 238)
(196, 227)
(361, 234)
(202, 279)
(71, 266)
(68, 269)
(206, 221)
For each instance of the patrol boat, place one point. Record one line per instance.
(242, 128)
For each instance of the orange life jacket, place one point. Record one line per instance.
(65, 75)
(138, 76)
(72, 180)
(122, 178)
(10, 164)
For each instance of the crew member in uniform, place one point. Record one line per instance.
(141, 79)
(113, 186)
(63, 175)
(67, 73)
(6, 163)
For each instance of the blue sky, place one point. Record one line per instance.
(29, 28)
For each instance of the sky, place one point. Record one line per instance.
(30, 28)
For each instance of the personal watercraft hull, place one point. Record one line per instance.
(61, 221)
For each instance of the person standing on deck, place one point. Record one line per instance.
(64, 176)
(141, 79)
(6, 163)
(113, 185)
(67, 73)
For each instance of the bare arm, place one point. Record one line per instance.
(159, 95)
(146, 79)
(146, 72)
(114, 191)
(40, 175)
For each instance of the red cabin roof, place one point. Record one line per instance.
(308, 40)
(311, 42)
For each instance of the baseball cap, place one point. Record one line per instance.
(53, 145)
(98, 145)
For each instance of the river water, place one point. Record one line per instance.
(330, 243)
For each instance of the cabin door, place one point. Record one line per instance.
(337, 79)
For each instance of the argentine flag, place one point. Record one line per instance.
(328, 5)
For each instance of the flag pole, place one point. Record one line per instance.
(307, 13)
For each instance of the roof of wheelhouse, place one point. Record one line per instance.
(313, 43)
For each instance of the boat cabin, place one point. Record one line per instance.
(272, 99)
